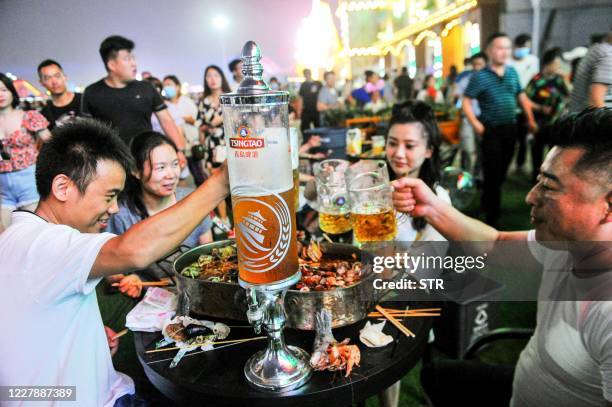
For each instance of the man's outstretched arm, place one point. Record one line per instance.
(411, 195)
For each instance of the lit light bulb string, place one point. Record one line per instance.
(387, 46)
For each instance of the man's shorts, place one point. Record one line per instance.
(18, 188)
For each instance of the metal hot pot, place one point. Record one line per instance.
(228, 300)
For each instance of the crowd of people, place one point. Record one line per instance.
(508, 102)
(92, 176)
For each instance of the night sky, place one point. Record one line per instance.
(172, 37)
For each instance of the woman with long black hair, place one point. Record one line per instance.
(211, 130)
(413, 150)
(150, 189)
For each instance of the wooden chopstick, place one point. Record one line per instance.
(120, 334)
(399, 315)
(149, 284)
(209, 343)
(395, 322)
(391, 310)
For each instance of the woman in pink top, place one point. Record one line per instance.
(20, 131)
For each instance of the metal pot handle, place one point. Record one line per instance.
(161, 263)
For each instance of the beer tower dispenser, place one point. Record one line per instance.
(259, 163)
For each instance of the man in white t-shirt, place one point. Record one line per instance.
(568, 361)
(53, 258)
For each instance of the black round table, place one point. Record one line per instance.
(217, 378)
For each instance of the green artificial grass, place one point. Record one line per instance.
(515, 216)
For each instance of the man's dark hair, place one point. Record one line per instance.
(589, 130)
(8, 82)
(233, 64)
(480, 55)
(48, 62)
(598, 38)
(404, 70)
(74, 150)
(112, 45)
(368, 74)
(522, 39)
(495, 36)
(550, 55)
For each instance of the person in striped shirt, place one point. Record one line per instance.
(498, 91)
(593, 79)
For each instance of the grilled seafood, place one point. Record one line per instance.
(337, 356)
(319, 273)
(329, 354)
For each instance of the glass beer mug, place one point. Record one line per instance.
(371, 201)
(332, 196)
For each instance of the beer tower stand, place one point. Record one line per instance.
(279, 367)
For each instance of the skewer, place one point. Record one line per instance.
(391, 310)
(120, 334)
(148, 284)
(398, 315)
(195, 353)
(395, 322)
(195, 345)
(327, 238)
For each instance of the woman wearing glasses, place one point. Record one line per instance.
(20, 131)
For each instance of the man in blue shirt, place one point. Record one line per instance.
(498, 91)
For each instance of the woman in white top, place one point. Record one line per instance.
(412, 150)
(186, 110)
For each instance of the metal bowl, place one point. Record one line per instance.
(227, 300)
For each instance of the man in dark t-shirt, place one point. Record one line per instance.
(63, 105)
(123, 102)
(403, 84)
(309, 92)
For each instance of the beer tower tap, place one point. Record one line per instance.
(256, 125)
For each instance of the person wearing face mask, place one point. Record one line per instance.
(526, 66)
(184, 111)
(274, 83)
(150, 189)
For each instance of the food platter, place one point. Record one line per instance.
(222, 299)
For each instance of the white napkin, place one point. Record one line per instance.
(372, 335)
(157, 306)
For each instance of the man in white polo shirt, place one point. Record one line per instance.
(53, 258)
(568, 360)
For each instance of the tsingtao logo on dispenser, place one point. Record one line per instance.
(244, 139)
